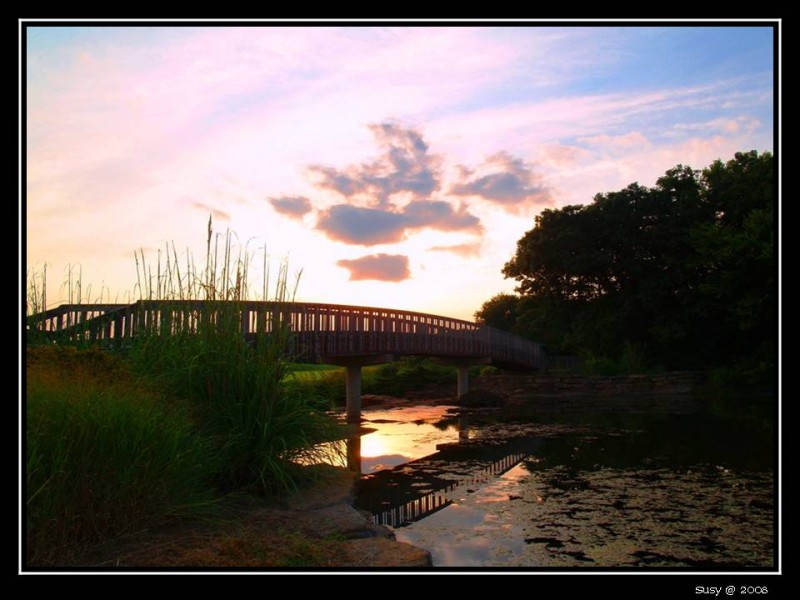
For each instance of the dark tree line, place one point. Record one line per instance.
(683, 272)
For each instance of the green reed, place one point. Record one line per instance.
(261, 427)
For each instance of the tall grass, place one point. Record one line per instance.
(261, 428)
(104, 457)
(194, 408)
(36, 292)
(35, 302)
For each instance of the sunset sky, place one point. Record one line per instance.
(395, 165)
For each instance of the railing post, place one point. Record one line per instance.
(245, 316)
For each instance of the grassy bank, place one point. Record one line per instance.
(114, 445)
(105, 457)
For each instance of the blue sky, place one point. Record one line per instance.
(396, 166)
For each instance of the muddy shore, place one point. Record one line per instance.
(316, 527)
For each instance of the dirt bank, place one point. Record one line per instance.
(316, 527)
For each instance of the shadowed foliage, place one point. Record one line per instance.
(680, 274)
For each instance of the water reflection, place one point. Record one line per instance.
(679, 492)
(467, 534)
(612, 517)
(401, 435)
(390, 437)
(436, 456)
(353, 452)
(463, 429)
(425, 497)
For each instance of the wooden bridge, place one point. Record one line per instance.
(352, 336)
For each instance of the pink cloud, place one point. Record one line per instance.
(735, 125)
(563, 155)
(371, 226)
(404, 171)
(215, 212)
(504, 180)
(377, 267)
(404, 167)
(625, 142)
(293, 207)
(467, 250)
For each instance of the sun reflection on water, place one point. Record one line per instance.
(391, 437)
(403, 435)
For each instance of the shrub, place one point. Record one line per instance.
(407, 374)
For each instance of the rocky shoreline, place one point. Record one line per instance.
(329, 508)
(314, 528)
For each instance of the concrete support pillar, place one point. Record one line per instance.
(353, 380)
(463, 380)
(353, 386)
(462, 365)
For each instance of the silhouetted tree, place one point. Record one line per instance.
(499, 311)
(683, 269)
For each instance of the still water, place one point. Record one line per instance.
(490, 490)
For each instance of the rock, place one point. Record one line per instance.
(326, 512)
(376, 400)
(333, 485)
(346, 521)
(447, 401)
(481, 399)
(380, 552)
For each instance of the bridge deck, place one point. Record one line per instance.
(317, 330)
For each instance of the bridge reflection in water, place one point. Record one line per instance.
(418, 508)
(418, 488)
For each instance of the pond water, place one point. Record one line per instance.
(487, 489)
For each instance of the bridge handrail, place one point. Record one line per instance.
(62, 309)
(321, 328)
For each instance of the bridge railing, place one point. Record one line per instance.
(317, 330)
(82, 321)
